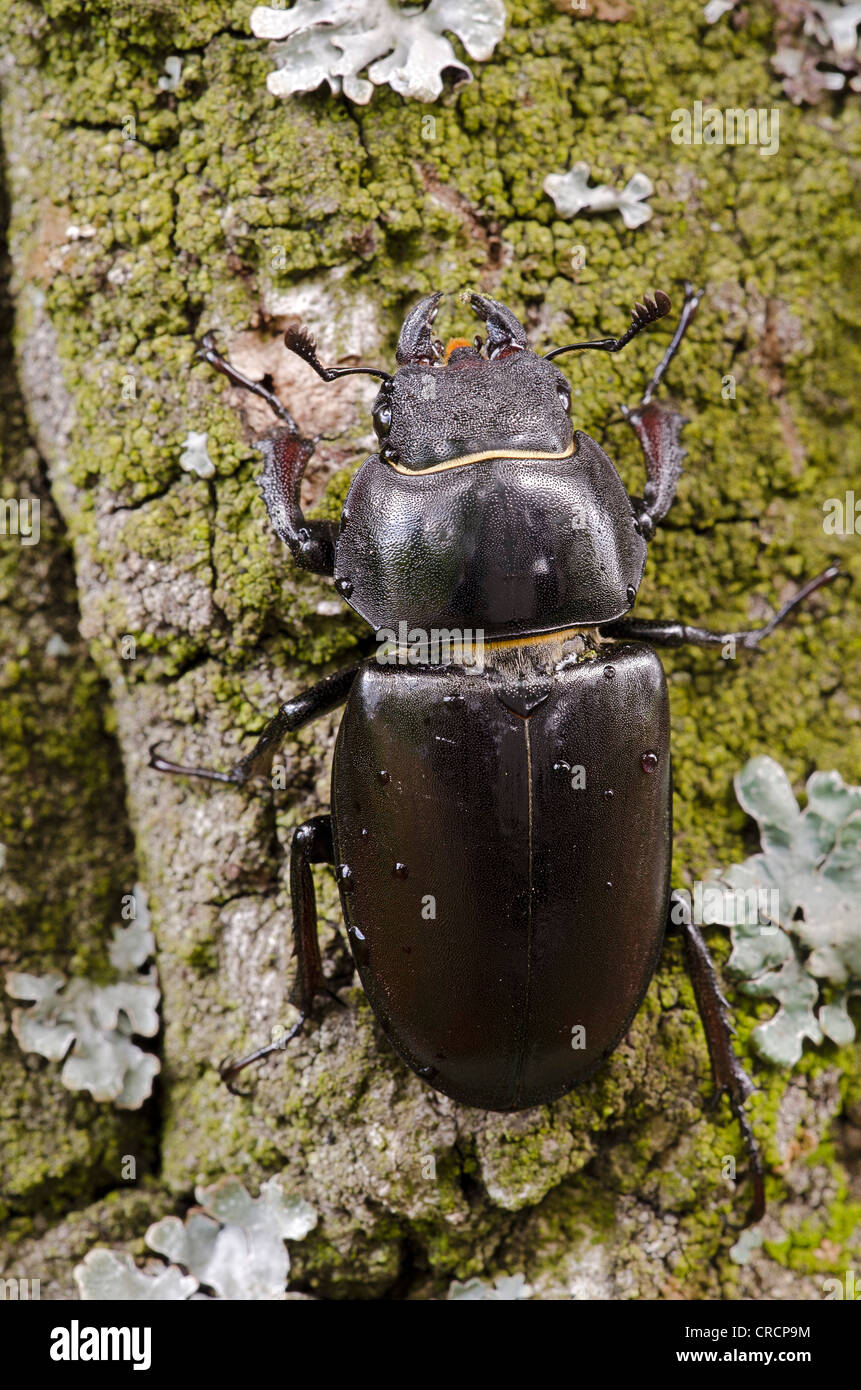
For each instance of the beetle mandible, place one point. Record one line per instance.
(485, 517)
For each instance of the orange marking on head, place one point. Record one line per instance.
(453, 344)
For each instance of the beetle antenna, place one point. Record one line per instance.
(299, 340)
(641, 316)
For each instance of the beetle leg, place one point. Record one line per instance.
(730, 1078)
(658, 428)
(309, 704)
(285, 457)
(673, 633)
(311, 844)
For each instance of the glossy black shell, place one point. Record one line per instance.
(510, 546)
(493, 905)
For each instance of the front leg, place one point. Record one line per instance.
(285, 457)
(673, 633)
(658, 428)
(729, 1075)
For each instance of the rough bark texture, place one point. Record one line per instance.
(220, 207)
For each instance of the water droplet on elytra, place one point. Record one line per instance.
(356, 932)
(383, 777)
(608, 884)
(344, 586)
(649, 761)
(631, 593)
(345, 877)
(610, 673)
(400, 871)
(364, 833)
(608, 793)
(561, 767)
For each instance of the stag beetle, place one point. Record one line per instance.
(500, 829)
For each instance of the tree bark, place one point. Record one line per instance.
(139, 218)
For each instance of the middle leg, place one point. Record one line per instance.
(311, 844)
(673, 633)
(319, 699)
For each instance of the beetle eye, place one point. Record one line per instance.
(383, 419)
(564, 395)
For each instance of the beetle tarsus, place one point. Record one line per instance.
(160, 764)
(756, 1211)
(753, 637)
(229, 1069)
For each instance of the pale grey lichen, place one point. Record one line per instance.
(169, 81)
(818, 48)
(335, 40)
(805, 949)
(91, 1026)
(834, 25)
(194, 457)
(716, 8)
(57, 646)
(112, 1274)
(507, 1289)
(572, 195)
(747, 1244)
(232, 1244)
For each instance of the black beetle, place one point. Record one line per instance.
(501, 790)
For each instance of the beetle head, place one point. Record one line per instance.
(447, 402)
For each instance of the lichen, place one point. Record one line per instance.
(232, 1244)
(335, 40)
(572, 195)
(793, 910)
(89, 1026)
